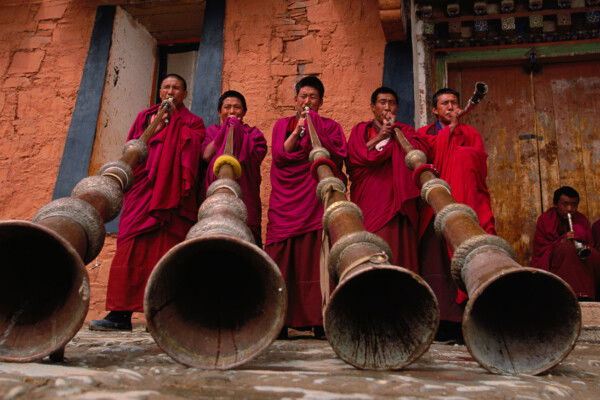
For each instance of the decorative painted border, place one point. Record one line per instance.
(441, 59)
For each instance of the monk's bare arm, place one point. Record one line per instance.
(209, 152)
(291, 142)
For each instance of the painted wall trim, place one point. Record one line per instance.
(209, 66)
(77, 152)
(442, 59)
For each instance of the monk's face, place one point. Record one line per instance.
(173, 87)
(308, 96)
(447, 105)
(231, 107)
(385, 107)
(566, 205)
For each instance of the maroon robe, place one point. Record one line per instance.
(596, 234)
(295, 213)
(160, 207)
(383, 187)
(250, 148)
(461, 159)
(552, 252)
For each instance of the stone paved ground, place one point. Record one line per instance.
(129, 366)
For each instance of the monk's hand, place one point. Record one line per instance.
(163, 122)
(570, 235)
(454, 118)
(386, 129)
(299, 131)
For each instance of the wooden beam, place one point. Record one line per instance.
(393, 20)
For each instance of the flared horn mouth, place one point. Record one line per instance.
(44, 291)
(523, 321)
(215, 302)
(381, 317)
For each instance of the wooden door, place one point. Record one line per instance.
(541, 131)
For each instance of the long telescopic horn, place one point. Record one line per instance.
(380, 316)
(518, 320)
(216, 300)
(45, 290)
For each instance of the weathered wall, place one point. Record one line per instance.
(269, 45)
(43, 46)
(269, 48)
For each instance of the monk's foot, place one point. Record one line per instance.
(114, 321)
(283, 335)
(318, 332)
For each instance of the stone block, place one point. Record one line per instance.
(283, 69)
(285, 21)
(590, 314)
(312, 68)
(26, 61)
(276, 48)
(326, 11)
(4, 58)
(17, 15)
(306, 49)
(46, 25)
(16, 82)
(2, 97)
(297, 4)
(288, 29)
(35, 42)
(286, 92)
(51, 11)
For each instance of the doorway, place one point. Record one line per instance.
(541, 129)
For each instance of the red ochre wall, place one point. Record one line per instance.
(269, 44)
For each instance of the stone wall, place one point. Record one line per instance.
(269, 45)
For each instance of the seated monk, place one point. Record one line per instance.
(565, 247)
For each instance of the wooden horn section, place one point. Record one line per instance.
(518, 320)
(216, 300)
(379, 316)
(44, 290)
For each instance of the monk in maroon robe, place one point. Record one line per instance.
(160, 207)
(382, 184)
(558, 249)
(458, 153)
(249, 147)
(294, 230)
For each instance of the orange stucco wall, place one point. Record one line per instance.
(269, 44)
(268, 48)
